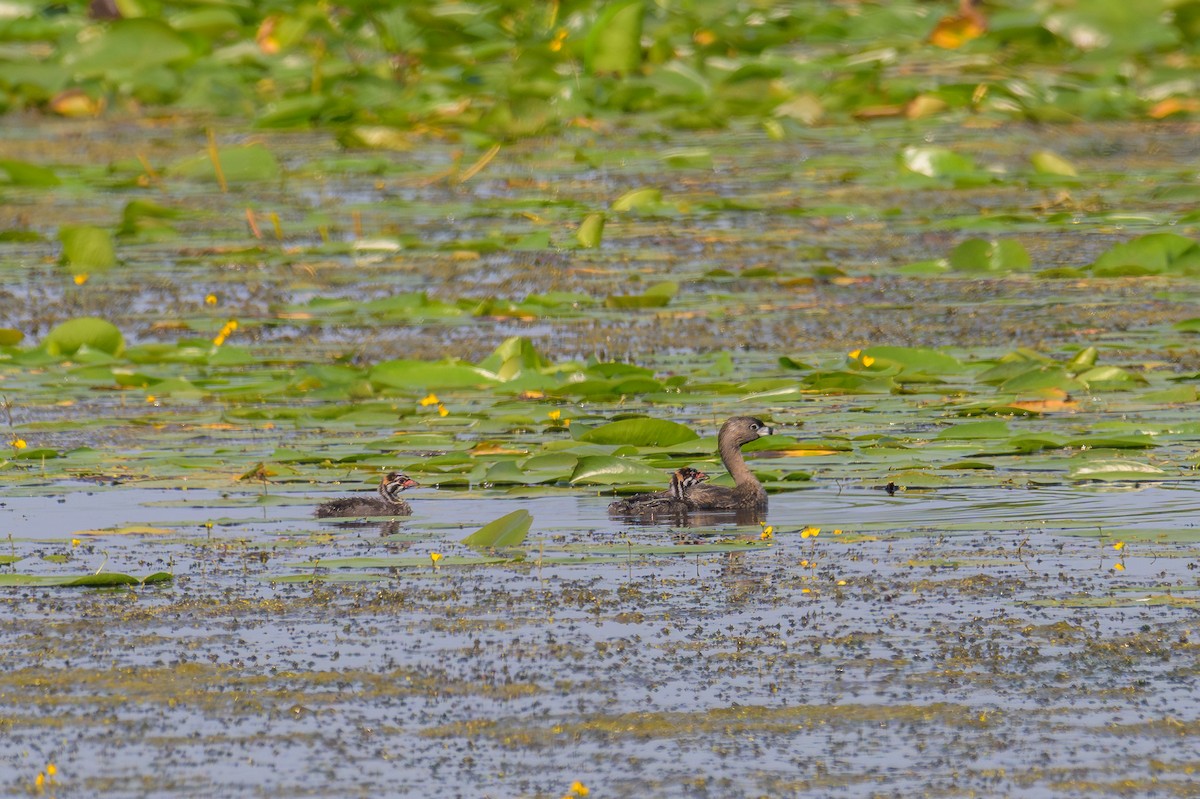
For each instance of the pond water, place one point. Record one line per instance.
(922, 642)
(1020, 618)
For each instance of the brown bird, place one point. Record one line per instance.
(672, 501)
(387, 504)
(747, 492)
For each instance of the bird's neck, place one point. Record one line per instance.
(731, 456)
(676, 487)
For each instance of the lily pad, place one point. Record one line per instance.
(643, 432)
(507, 531)
(101, 580)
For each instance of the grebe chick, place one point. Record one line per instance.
(673, 500)
(387, 504)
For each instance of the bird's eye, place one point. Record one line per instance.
(754, 426)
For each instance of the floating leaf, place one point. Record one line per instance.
(657, 296)
(1149, 255)
(614, 43)
(1171, 396)
(850, 383)
(127, 48)
(1083, 360)
(507, 531)
(101, 580)
(916, 359)
(977, 255)
(21, 173)
(420, 374)
(610, 470)
(590, 231)
(1107, 470)
(638, 200)
(377, 137)
(147, 219)
(10, 337)
(936, 162)
(689, 158)
(1110, 377)
(248, 163)
(88, 331)
(787, 362)
(1040, 378)
(87, 248)
(643, 432)
(976, 430)
(1110, 441)
(1048, 163)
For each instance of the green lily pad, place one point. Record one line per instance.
(610, 470)
(1115, 469)
(507, 531)
(87, 248)
(101, 580)
(643, 432)
(91, 332)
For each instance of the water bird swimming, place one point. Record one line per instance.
(747, 492)
(388, 503)
(672, 501)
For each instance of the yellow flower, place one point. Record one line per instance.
(855, 353)
(837, 532)
(768, 532)
(841, 582)
(211, 299)
(18, 443)
(51, 770)
(150, 398)
(557, 43)
(1119, 567)
(806, 590)
(80, 279)
(804, 563)
(867, 360)
(430, 400)
(566, 422)
(442, 410)
(810, 532)
(1119, 546)
(555, 415)
(228, 329)
(40, 781)
(434, 557)
(75, 542)
(579, 789)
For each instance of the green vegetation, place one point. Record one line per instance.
(533, 254)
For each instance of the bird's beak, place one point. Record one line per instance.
(409, 482)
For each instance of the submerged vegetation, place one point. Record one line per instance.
(532, 255)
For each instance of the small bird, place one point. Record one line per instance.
(672, 501)
(389, 503)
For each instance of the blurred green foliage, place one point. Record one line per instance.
(513, 69)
